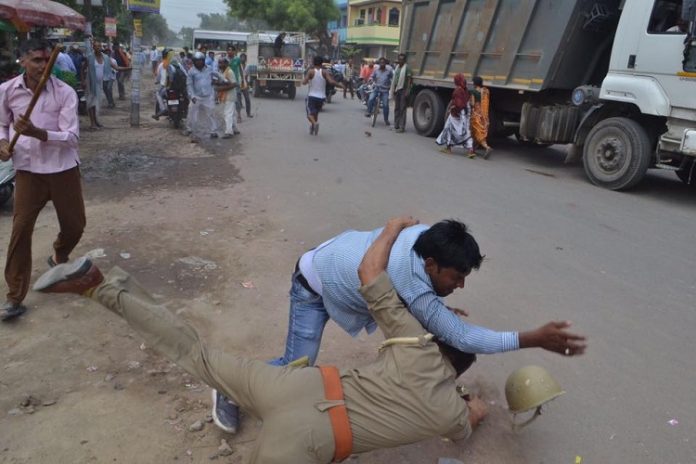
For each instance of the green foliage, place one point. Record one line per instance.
(223, 22)
(310, 16)
(153, 24)
(186, 35)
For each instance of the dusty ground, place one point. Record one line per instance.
(195, 222)
(77, 385)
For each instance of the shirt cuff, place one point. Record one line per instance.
(376, 289)
(55, 136)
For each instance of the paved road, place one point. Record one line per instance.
(621, 266)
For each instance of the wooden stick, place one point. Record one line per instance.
(37, 91)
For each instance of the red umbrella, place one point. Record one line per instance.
(41, 13)
(70, 18)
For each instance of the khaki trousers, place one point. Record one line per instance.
(290, 401)
(32, 192)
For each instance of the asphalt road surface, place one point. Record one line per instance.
(620, 266)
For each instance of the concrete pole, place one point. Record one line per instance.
(137, 64)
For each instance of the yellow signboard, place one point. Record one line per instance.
(144, 6)
(138, 27)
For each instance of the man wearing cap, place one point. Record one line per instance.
(199, 85)
(407, 394)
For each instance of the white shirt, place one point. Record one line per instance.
(317, 85)
(154, 55)
(99, 68)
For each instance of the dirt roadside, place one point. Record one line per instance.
(78, 386)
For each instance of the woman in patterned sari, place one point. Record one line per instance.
(456, 130)
(480, 97)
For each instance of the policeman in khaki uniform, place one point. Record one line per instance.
(310, 414)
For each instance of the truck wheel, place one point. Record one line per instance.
(291, 92)
(428, 113)
(616, 153)
(688, 174)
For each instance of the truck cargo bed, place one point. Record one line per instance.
(516, 44)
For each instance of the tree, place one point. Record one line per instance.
(186, 35)
(155, 27)
(310, 16)
(223, 22)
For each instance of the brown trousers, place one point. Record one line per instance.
(32, 192)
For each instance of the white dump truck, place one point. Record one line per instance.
(614, 78)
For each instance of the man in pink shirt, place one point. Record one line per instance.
(47, 165)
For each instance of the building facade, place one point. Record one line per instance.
(374, 26)
(339, 29)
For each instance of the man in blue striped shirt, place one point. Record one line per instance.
(425, 265)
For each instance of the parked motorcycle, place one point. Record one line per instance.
(177, 107)
(81, 102)
(7, 176)
(330, 89)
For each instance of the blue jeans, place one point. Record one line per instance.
(308, 316)
(384, 96)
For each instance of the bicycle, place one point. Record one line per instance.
(377, 105)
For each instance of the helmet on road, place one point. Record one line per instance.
(198, 56)
(529, 388)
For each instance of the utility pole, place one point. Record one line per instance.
(137, 64)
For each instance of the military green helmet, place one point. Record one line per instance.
(528, 388)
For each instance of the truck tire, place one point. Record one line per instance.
(617, 153)
(428, 113)
(688, 174)
(292, 91)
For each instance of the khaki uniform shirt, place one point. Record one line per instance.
(408, 393)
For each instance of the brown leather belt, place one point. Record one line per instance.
(333, 390)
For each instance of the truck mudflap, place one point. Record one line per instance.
(549, 124)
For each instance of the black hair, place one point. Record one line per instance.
(32, 45)
(318, 60)
(404, 55)
(478, 81)
(382, 58)
(450, 244)
(232, 47)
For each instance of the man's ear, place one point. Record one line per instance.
(430, 266)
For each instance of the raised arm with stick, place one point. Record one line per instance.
(23, 125)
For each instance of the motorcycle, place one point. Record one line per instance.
(81, 102)
(177, 107)
(7, 176)
(330, 89)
